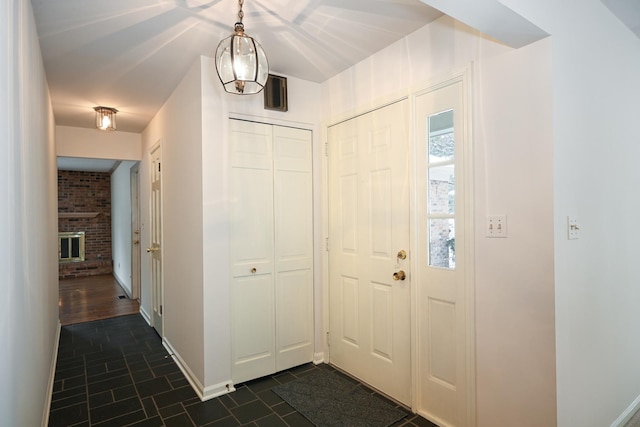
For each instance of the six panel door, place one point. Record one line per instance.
(370, 312)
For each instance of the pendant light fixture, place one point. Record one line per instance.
(105, 118)
(240, 61)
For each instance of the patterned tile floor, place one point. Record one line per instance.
(115, 372)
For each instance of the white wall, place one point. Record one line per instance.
(28, 223)
(514, 276)
(192, 127)
(595, 114)
(178, 126)
(95, 144)
(121, 224)
(511, 139)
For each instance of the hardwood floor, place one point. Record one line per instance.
(92, 298)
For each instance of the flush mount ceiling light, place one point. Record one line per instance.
(105, 118)
(240, 61)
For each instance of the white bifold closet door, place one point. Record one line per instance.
(271, 248)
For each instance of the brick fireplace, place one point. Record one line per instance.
(84, 205)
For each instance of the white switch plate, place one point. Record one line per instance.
(573, 230)
(497, 226)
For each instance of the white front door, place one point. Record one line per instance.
(442, 257)
(370, 311)
(155, 249)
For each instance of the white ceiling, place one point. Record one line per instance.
(131, 54)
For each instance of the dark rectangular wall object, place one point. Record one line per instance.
(275, 93)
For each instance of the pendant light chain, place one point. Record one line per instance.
(240, 12)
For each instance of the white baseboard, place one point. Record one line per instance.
(627, 414)
(203, 393)
(318, 358)
(145, 315)
(124, 288)
(52, 377)
(218, 390)
(434, 420)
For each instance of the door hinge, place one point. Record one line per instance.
(158, 166)
(326, 149)
(160, 309)
(328, 339)
(326, 244)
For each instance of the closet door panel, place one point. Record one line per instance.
(252, 223)
(251, 145)
(251, 193)
(293, 210)
(294, 220)
(253, 346)
(251, 153)
(294, 315)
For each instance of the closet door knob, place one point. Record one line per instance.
(253, 270)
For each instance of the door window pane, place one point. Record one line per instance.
(442, 190)
(442, 243)
(441, 137)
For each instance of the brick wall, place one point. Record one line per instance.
(87, 192)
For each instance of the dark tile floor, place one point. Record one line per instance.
(115, 372)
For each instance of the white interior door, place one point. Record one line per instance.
(293, 217)
(135, 231)
(369, 219)
(253, 311)
(155, 249)
(442, 248)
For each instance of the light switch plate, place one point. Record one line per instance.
(573, 230)
(497, 226)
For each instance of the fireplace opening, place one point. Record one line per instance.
(71, 246)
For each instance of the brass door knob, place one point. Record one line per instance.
(402, 254)
(155, 249)
(253, 270)
(399, 275)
